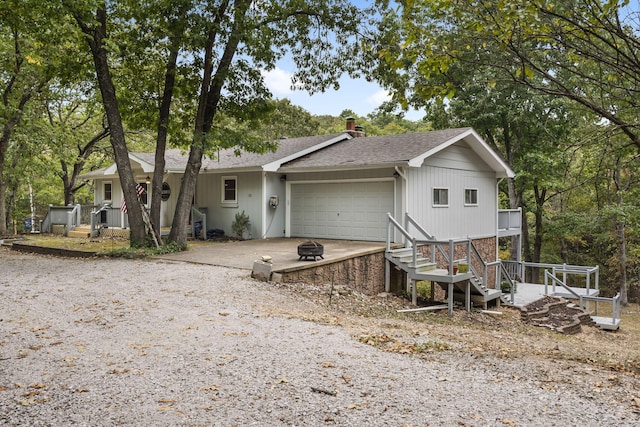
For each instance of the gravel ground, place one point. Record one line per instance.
(118, 342)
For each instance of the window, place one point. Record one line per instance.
(471, 197)
(440, 197)
(106, 190)
(229, 189)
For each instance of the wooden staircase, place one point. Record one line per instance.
(467, 284)
(80, 232)
(418, 266)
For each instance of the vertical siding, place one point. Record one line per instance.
(208, 194)
(168, 207)
(456, 169)
(274, 219)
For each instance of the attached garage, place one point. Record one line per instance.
(341, 210)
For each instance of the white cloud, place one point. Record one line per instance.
(278, 81)
(378, 98)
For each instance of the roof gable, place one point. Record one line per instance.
(398, 150)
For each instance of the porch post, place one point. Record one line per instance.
(467, 297)
(387, 276)
(414, 292)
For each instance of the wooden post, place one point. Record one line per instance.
(387, 276)
(467, 297)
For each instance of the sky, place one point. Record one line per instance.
(358, 95)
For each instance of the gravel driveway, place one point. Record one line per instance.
(118, 342)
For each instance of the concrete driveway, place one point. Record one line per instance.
(283, 251)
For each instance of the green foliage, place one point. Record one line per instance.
(240, 224)
(143, 252)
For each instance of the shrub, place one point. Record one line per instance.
(241, 224)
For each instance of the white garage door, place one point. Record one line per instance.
(349, 211)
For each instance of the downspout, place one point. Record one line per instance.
(404, 195)
(263, 206)
(498, 216)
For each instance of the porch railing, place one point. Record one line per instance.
(199, 215)
(509, 222)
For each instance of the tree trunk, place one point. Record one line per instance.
(180, 223)
(622, 261)
(210, 94)
(69, 180)
(4, 225)
(96, 38)
(537, 238)
(5, 139)
(161, 139)
(514, 203)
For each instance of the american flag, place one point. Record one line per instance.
(139, 190)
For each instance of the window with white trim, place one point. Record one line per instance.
(441, 197)
(471, 197)
(229, 189)
(107, 191)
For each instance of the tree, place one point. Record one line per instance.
(28, 62)
(94, 25)
(584, 51)
(74, 130)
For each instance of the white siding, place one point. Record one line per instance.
(456, 169)
(274, 219)
(250, 193)
(168, 207)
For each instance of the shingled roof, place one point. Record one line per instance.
(338, 151)
(377, 150)
(176, 160)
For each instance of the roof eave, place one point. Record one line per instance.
(340, 167)
(146, 167)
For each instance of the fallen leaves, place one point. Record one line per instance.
(29, 402)
(386, 343)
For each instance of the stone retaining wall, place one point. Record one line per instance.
(364, 274)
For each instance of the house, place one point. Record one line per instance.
(337, 186)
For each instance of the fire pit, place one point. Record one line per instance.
(310, 249)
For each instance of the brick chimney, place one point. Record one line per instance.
(351, 124)
(353, 129)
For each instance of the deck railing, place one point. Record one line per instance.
(440, 250)
(56, 215)
(555, 280)
(199, 215)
